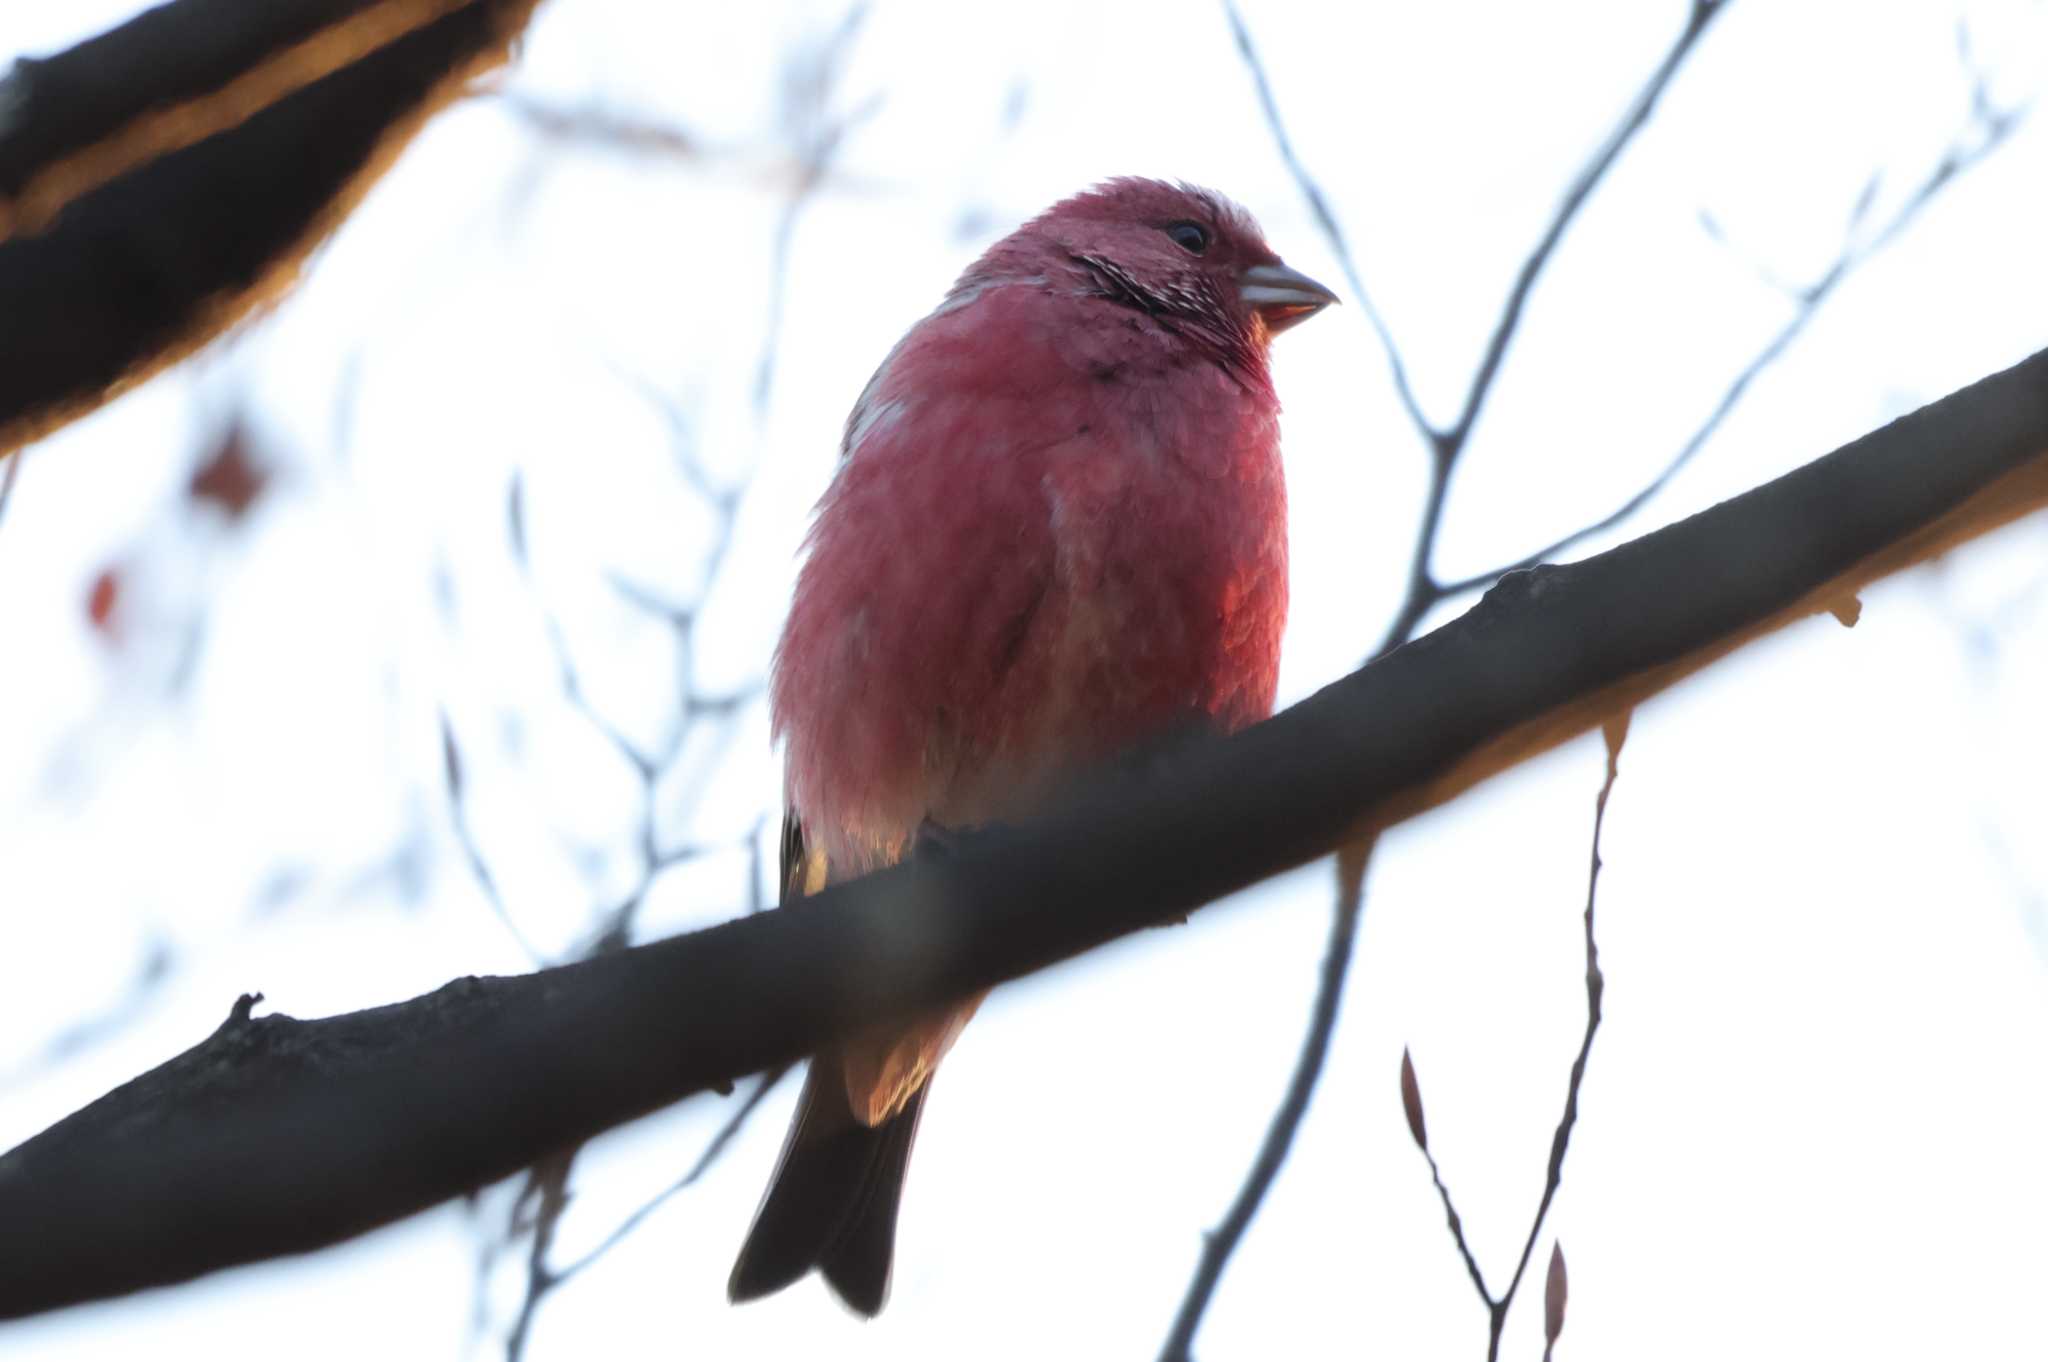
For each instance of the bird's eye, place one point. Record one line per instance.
(1191, 237)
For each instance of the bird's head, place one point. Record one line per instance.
(1187, 256)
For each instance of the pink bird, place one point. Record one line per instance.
(1058, 530)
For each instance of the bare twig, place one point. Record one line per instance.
(810, 83)
(1217, 1248)
(808, 87)
(1589, 177)
(143, 987)
(1447, 446)
(465, 836)
(547, 1189)
(537, 1212)
(1616, 733)
(1319, 207)
(596, 126)
(1991, 127)
(1447, 443)
(712, 1149)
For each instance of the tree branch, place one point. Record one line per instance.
(1560, 1141)
(1222, 1241)
(160, 181)
(1423, 591)
(277, 1136)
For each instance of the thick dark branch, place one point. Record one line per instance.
(276, 1136)
(169, 77)
(160, 181)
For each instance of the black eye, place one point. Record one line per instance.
(1191, 237)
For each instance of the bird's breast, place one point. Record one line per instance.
(1013, 580)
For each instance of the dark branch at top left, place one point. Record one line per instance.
(144, 208)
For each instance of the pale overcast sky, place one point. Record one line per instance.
(1813, 1119)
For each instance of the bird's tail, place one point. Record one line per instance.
(832, 1202)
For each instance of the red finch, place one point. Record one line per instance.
(1058, 530)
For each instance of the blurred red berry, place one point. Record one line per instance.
(230, 478)
(101, 599)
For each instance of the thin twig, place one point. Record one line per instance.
(1992, 128)
(548, 1181)
(1616, 734)
(596, 126)
(1447, 446)
(809, 86)
(1588, 179)
(1308, 1066)
(1422, 592)
(144, 986)
(1472, 1268)
(547, 1188)
(810, 83)
(697, 1170)
(465, 836)
(1319, 208)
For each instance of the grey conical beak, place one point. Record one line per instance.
(1282, 296)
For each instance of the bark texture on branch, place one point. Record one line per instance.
(163, 179)
(276, 1135)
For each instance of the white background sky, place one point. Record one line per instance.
(1813, 1120)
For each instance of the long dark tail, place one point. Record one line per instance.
(832, 1202)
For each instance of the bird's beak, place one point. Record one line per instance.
(1282, 296)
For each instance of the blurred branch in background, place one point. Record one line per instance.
(149, 610)
(278, 1136)
(159, 960)
(1446, 445)
(127, 236)
(172, 77)
(601, 128)
(700, 723)
(1987, 128)
(122, 153)
(809, 133)
(809, 82)
(546, 1192)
